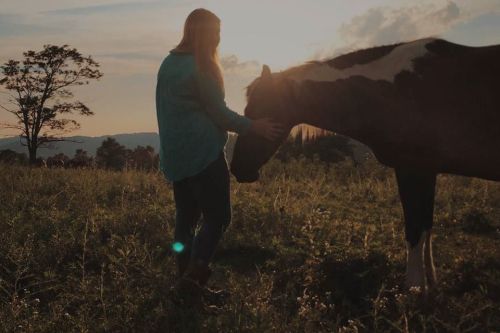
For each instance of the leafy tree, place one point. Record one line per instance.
(40, 95)
(143, 158)
(9, 156)
(156, 165)
(58, 160)
(111, 155)
(81, 159)
(81, 154)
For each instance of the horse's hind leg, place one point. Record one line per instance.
(416, 190)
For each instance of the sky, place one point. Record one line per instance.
(130, 39)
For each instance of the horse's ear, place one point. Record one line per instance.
(266, 73)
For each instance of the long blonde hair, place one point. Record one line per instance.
(197, 38)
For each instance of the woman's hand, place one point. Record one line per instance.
(267, 128)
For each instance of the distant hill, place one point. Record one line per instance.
(88, 143)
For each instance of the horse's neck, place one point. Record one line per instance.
(330, 106)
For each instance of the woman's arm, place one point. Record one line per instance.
(213, 99)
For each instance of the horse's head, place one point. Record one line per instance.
(268, 97)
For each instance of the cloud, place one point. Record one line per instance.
(448, 14)
(237, 76)
(385, 25)
(231, 64)
(461, 21)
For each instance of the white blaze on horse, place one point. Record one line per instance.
(424, 107)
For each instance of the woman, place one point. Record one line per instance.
(193, 119)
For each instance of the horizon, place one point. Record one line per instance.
(130, 38)
(90, 136)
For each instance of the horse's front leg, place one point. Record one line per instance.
(416, 190)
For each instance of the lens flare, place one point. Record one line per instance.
(178, 247)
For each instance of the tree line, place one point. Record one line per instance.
(110, 155)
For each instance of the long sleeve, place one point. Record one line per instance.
(213, 98)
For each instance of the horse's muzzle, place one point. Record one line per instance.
(248, 178)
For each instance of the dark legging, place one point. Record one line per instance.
(206, 193)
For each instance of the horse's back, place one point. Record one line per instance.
(454, 88)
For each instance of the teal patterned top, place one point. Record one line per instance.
(193, 118)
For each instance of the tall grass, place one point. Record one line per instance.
(311, 248)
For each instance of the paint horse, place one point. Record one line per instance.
(423, 107)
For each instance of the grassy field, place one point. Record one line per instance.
(311, 248)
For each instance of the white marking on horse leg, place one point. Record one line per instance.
(430, 270)
(415, 272)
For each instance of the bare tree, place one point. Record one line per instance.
(40, 96)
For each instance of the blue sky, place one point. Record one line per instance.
(130, 38)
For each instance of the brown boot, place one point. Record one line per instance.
(192, 286)
(182, 261)
(189, 288)
(211, 297)
(198, 272)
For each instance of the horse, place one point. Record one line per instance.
(424, 107)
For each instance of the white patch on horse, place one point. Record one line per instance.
(415, 267)
(385, 68)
